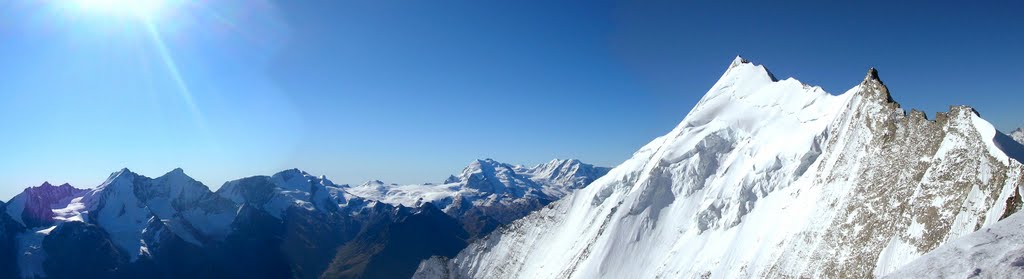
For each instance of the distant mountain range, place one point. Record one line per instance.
(288, 225)
(489, 193)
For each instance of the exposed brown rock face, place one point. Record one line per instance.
(916, 184)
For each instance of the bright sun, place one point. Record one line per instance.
(143, 9)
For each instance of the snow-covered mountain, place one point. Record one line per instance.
(129, 204)
(489, 193)
(768, 178)
(285, 189)
(1018, 135)
(34, 206)
(132, 212)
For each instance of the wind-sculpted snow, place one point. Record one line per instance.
(767, 178)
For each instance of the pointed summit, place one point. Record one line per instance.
(372, 183)
(738, 61)
(121, 177)
(740, 79)
(742, 67)
(123, 173)
(451, 180)
(873, 88)
(176, 175)
(872, 75)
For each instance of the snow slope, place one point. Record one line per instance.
(766, 178)
(996, 251)
(1018, 135)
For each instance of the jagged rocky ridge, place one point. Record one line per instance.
(288, 225)
(768, 178)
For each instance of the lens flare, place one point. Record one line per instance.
(145, 9)
(170, 30)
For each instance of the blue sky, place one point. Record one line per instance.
(411, 91)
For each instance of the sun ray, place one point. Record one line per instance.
(172, 68)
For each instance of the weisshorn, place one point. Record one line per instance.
(769, 178)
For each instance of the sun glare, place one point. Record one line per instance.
(143, 9)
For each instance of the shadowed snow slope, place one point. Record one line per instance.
(767, 178)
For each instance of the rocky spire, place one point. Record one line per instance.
(874, 88)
